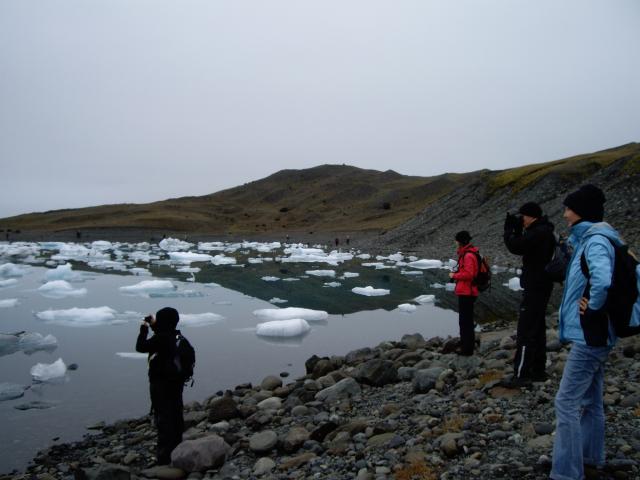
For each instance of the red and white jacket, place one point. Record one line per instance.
(467, 271)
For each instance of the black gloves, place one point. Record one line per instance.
(144, 328)
(595, 327)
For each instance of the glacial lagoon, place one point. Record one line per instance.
(70, 315)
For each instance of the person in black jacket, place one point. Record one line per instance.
(165, 383)
(531, 235)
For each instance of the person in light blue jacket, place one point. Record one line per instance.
(579, 440)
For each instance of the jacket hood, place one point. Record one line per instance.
(467, 248)
(542, 222)
(583, 230)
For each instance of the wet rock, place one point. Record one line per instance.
(294, 439)
(263, 442)
(200, 454)
(263, 465)
(105, 471)
(224, 408)
(163, 472)
(376, 373)
(343, 389)
(271, 383)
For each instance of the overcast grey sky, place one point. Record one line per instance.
(134, 101)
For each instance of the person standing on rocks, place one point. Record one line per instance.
(466, 291)
(531, 236)
(579, 440)
(165, 383)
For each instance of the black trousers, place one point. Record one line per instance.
(166, 402)
(531, 343)
(467, 326)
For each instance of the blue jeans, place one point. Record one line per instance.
(580, 413)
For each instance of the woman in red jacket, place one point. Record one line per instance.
(466, 291)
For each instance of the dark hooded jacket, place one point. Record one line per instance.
(536, 245)
(161, 348)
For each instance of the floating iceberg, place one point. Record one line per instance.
(291, 313)
(425, 299)
(62, 272)
(101, 245)
(450, 287)
(332, 284)
(104, 264)
(134, 355)
(79, 317)
(270, 279)
(321, 273)
(275, 300)
(514, 284)
(426, 264)
(222, 260)
(376, 265)
(189, 257)
(199, 319)
(10, 282)
(211, 246)
(350, 275)
(410, 272)
(60, 289)
(369, 291)
(8, 343)
(10, 391)
(177, 294)
(12, 270)
(314, 255)
(8, 303)
(31, 342)
(437, 285)
(147, 287)
(255, 260)
(283, 328)
(43, 372)
(140, 272)
(173, 245)
(188, 269)
(407, 308)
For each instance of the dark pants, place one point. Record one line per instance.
(531, 343)
(166, 401)
(467, 327)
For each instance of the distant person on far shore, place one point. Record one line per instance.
(166, 382)
(530, 235)
(466, 291)
(337, 241)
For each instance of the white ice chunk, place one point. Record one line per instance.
(188, 269)
(199, 319)
(8, 303)
(332, 284)
(275, 300)
(177, 294)
(321, 273)
(173, 245)
(255, 260)
(62, 272)
(43, 372)
(211, 246)
(425, 299)
(369, 291)
(31, 342)
(283, 328)
(12, 270)
(79, 317)
(60, 289)
(437, 285)
(450, 287)
(514, 284)
(223, 260)
(103, 264)
(10, 391)
(8, 282)
(426, 264)
(407, 308)
(101, 245)
(364, 256)
(411, 272)
(147, 287)
(133, 355)
(350, 274)
(270, 279)
(140, 272)
(291, 279)
(376, 265)
(189, 257)
(291, 313)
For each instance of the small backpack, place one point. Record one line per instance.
(622, 304)
(482, 280)
(184, 359)
(556, 269)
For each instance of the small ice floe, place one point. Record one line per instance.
(211, 285)
(9, 303)
(261, 247)
(133, 355)
(437, 285)
(223, 260)
(270, 279)
(410, 272)
(450, 287)
(495, 269)
(102, 245)
(188, 269)
(321, 273)
(407, 308)
(79, 317)
(376, 265)
(332, 284)
(211, 246)
(283, 328)
(189, 257)
(275, 300)
(9, 282)
(103, 264)
(369, 291)
(31, 342)
(12, 270)
(199, 319)
(425, 299)
(62, 272)
(314, 255)
(10, 391)
(140, 272)
(173, 245)
(255, 260)
(426, 264)
(47, 372)
(291, 279)
(147, 287)
(177, 294)
(9, 343)
(350, 275)
(514, 284)
(364, 256)
(60, 289)
(291, 313)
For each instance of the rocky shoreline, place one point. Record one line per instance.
(408, 409)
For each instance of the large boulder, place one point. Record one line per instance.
(345, 388)
(376, 373)
(358, 356)
(271, 383)
(413, 341)
(425, 379)
(200, 454)
(223, 408)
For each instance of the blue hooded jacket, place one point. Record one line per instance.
(592, 239)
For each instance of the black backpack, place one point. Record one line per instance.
(184, 359)
(556, 269)
(623, 292)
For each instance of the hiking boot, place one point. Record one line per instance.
(516, 382)
(540, 377)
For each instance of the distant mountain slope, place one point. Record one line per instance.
(419, 214)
